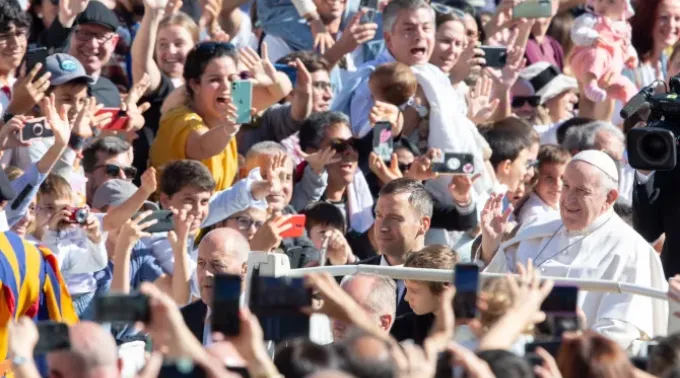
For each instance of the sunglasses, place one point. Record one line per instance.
(519, 101)
(114, 170)
(341, 146)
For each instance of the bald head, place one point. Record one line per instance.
(375, 294)
(93, 353)
(222, 251)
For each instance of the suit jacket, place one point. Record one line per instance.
(194, 316)
(402, 306)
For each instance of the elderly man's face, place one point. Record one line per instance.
(212, 261)
(583, 196)
(359, 289)
(606, 142)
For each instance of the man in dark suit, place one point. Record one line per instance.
(222, 251)
(402, 218)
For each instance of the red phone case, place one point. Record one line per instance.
(118, 122)
(298, 227)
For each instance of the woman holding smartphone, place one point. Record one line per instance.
(199, 123)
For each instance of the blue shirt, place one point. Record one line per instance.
(143, 268)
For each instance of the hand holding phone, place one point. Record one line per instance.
(242, 97)
(35, 128)
(453, 163)
(370, 7)
(466, 281)
(118, 119)
(122, 308)
(532, 9)
(495, 56)
(297, 226)
(164, 221)
(226, 304)
(383, 143)
(35, 56)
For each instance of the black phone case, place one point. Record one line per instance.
(35, 56)
(496, 57)
(455, 163)
(164, 224)
(35, 129)
(226, 300)
(122, 308)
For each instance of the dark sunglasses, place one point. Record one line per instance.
(341, 146)
(519, 101)
(114, 170)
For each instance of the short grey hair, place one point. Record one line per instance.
(581, 138)
(391, 11)
(382, 298)
(419, 197)
(266, 148)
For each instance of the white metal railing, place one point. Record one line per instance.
(443, 275)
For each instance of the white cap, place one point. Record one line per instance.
(599, 160)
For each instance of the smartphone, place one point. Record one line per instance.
(561, 301)
(550, 346)
(35, 56)
(495, 56)
(533, 359)
(35, 128)
(297, 228)
(51, 336)
(181, 368)
(278, 295)
(118, 119)
(122, 308)
(242, 96)
(164, 224)
(371, 8)
(226, 303)
(466, 281)
(383, 144)
(532, 9)
(454, 164)
(291, 72)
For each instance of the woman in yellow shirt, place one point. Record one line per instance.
(204, 128)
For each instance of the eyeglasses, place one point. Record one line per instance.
(519, 101)
(17, 34)
(86, 36)
(245, 223)
(322, 85)
(114, 170)
(341, 146)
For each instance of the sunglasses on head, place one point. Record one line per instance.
(341, 146)
(114, 170)
(519, 101)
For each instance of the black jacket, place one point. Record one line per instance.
(194, 316)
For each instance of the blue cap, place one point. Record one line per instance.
(65, 68)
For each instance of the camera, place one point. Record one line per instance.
(78, 215)
(654, 147)
(38, 129)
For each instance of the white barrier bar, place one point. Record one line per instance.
(443, 275)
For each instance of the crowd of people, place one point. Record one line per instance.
(151, 148)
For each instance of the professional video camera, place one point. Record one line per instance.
(654, 147)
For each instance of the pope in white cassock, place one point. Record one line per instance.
(586, 240)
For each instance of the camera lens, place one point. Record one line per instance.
(37, 129)
(654, 147)
(81, 216)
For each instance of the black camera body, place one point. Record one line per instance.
(655, 147)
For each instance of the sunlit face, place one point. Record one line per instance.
(100, 174)
(583, 197)
(549, 185)
(93, 46)
(172, 47)
(13, 44)
(411, 40)
(24, 224)
(420, 298)
(561, 107)
(330, 10)
(193, 200)
(471, 29)
(343, 171)
(322, 92)
(210, 262)
(397, 225)
(72, 98)
(612, 9)
(246, 222)
(512, 173)
(47, 206)
(449, 43)
(213, 90)
(667, 26)
(527, 112)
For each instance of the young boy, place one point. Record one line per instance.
(79, 247)
(325, 221)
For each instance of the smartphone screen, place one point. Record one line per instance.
(122, 308)
(35, 56)
(279, 295)
(35, 128)
(495, 56)
(291, 72)
(242, 96)
(51, 336)
(562, 300)
(297, 228)
(466, 281)
(383, 144)
(532, 9)
(164, 221)
(550, 346)
(118, 119)
(454, 163)
(226, 304)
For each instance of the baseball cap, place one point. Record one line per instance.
(98, 13)
(65, 68)
(547, 80)
(114, 192)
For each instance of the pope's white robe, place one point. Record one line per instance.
(611, 251)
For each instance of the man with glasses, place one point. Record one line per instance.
(524, 101)
(247, 222)
(107, 158)
(13, 41)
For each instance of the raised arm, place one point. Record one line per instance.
(144, 43)
(128, 236)
(116, 217)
